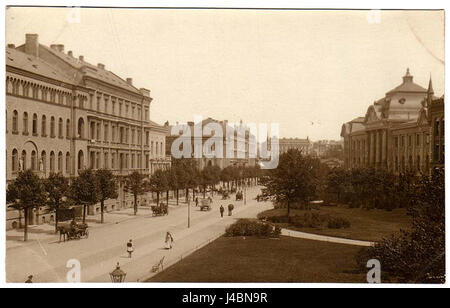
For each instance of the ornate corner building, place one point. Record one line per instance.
(64, 114)
(402, 131)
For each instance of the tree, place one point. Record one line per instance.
(25, 193)
(107, 187)
(136, 185)
(294, 180)
(85, 190)
(158, 183)
(58, 189)
(417, 255)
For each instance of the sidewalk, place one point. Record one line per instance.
(324, 238)
(98, 255)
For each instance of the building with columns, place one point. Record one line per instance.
(303, 145)
(64, 115)
(395, 132)
(239, 155)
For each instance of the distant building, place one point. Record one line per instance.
(64, 115)
(436, 117)
(395, 132)
(239, 156)
(327, 148)
(303, 145)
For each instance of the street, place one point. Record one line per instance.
(106, 245)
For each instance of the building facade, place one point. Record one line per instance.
(395, 132)
(208, 143)
(64, 115)
(303, 145)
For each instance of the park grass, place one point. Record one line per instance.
(253, 259)
(366, 225)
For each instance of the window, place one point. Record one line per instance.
(436, 127)
(113, 161)
(44, 161)
(418, 140)
(52, 127)
(133, 132)
(147, 138)
(98, 131)
(25, 123)
(33, 160)
(15, 161)
(106, 132)
(68, 163)
(113, 134)
(80, 160)
(15, 124)
(418, 162)
(396, 142)
(52, 161)
(92, 130)
(68, 128)
(147, 161)
(81, 128)
(132, 160)
(60, 128)
(35, 124)
(23, 161)
(60, 162)
(44, 126)
(105, 162)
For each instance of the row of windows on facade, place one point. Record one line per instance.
(95, 130)
(19, 163)
(34, 126)
(399, 141)
(117, 111)
(123, 162)
(38, 92)
(124, 133)
(402, 166)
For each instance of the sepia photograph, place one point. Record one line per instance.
(224, 145)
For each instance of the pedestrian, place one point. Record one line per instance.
(221, 211)
(130, 248)
(169, 240)
(30, 279)
(196, 201)
(230, 209)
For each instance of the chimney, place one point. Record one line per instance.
(100, 65)
(70, 53)
(54, 46)
(60, 47)
(81, 58)
(11, 46)
(130, 81)
(32, 44)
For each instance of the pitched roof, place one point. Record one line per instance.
(23, 61)
(408, 87)
(92, 71)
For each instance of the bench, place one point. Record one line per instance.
(158, 266)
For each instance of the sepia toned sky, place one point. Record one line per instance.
(310, 71)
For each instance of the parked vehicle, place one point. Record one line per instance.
(160, 210)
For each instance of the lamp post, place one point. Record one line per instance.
(117, 275)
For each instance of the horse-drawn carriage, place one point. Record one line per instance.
(225, 195)
(73, 231)
(239, 196)
(160, 210)
(205, 204)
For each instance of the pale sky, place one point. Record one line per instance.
(309, 71)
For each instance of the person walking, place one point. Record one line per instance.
(196, 201)
(30, 279)
(221, 211)
(130, 248)
(169, 240)
(230, 209)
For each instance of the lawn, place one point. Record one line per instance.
(368, 225)
(252, 259)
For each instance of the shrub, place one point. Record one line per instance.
(308, 220)
(338, 223)
(248, 227)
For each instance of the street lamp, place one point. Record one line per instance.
(117, 275)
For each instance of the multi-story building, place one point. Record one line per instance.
(238, 154)
(64, 114)
(395, 132)
(436, 117)
(303, 145)
(325, 148)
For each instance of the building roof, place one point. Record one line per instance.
(23, 61)
(408, 85)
